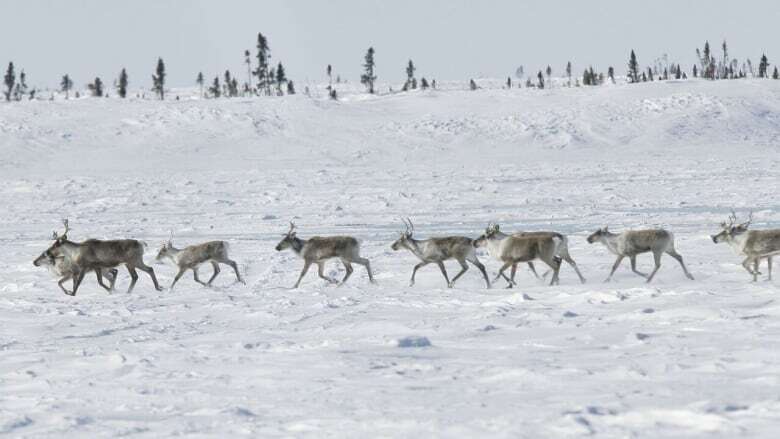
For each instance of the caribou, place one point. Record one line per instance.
(438, 250)
(754, 244)
(634, 242)
(98, 255)
(514, 249)
(64, 268)
(318, 250)
(191, 257)
(563, 251)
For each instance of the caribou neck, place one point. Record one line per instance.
(610, 240)
(297, 244)
(413, 245)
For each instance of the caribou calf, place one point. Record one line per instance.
(514, 249)
(191, 257)
(634, 242)
(438, 250)
(754, 244)
(317, 250)
(94, 254)
(65, 269)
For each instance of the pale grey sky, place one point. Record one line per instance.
(447, 39)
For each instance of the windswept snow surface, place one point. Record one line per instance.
(676, 358)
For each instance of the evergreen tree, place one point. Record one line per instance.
(678, 72)
(226, 92)
(633, 68)
(666, 74)
(549, 75)
(21, 87)
(775, 75)
(333, 94)
(263, 57)
(158, 79)
(508, 82)
(763, 67)
(96, 88)
(290, 88)
(215, 90)
(725, 58)
(199, 81)
(424, 83)
(568, 72)
(281, 78)
(234, 87)
(695, 72)
(329, 72)
(644, 77)
(122, 84)
(611, 74)
(410, 80)
(248, 62)
(472, 84)
(66, 85)
(650, 74)
(368, 77)
(9, 81)
(540, 77)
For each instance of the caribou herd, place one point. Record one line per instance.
(73, 260)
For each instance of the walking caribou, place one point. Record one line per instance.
(317, 250)
(513, 249)
(64, 268)
(754, 244)
(97, 255)
(634, 242)
(191, 257)
(438, 250)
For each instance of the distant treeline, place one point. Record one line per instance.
(266, 79)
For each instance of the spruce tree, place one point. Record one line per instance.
(549, 75)
(472, 84)
(199, 81)
(368, 77)
(21, 87)
(695, 72)
(9, 81)
(329, 72)
(410, 81)
(248, 62)
(158, 79)
(66, 85)
(508, 82)
(281, 78)
(226, 92)
(540, 77)
(263, 56)
(611, 74)
(215, 89)
(763, 67)
(424, 83)
(775, 74)
(122, 84)
(568, 72)
(96, 88)
(290, 88)
(633, 68)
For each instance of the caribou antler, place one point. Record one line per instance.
(292, 228)
(732, 220)
(411, 226)
(750, 220)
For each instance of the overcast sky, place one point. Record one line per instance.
(447, 39)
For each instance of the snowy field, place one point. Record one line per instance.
(676, 358)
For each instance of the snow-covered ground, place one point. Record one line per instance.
(676, 358)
